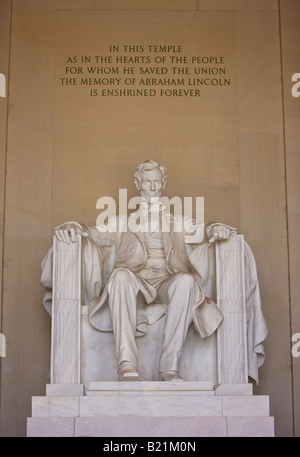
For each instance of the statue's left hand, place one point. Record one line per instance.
(220, 233)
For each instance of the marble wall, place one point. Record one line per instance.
(61, 149)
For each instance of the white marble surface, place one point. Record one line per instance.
(220, 426)
(64, 390)
(232, 333)
(250, 427)
(234, 389)
(151, 393)
(135, 401)
(143, 405)
(50, 427)
(152, 409)
(145, 386)
(256, 405)
(66, 312)
(55, 406)
(150, 426)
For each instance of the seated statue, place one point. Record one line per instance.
(152, 264)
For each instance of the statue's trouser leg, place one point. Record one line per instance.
(178, 292)
(122, 303)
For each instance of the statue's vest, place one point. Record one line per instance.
(131, 250)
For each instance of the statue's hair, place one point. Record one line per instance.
(146, 166)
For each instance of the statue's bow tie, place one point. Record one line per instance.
(153, 207)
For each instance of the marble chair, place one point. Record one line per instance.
(80, 354)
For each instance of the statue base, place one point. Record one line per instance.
(150, 409)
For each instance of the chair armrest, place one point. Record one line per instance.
(66, 310)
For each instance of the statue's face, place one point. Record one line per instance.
(151, 184)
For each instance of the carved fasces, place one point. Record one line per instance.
(66, 310)
(232, 336)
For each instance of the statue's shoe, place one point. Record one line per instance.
(171, 376)
(129, 374)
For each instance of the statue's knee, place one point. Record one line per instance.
(121, 275)
(185, 280)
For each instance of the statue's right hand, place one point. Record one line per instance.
(68, 231)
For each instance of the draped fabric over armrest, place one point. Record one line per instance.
(203, 260)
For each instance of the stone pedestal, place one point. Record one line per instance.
(150, 409)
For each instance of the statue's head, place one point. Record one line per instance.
(150, 179)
